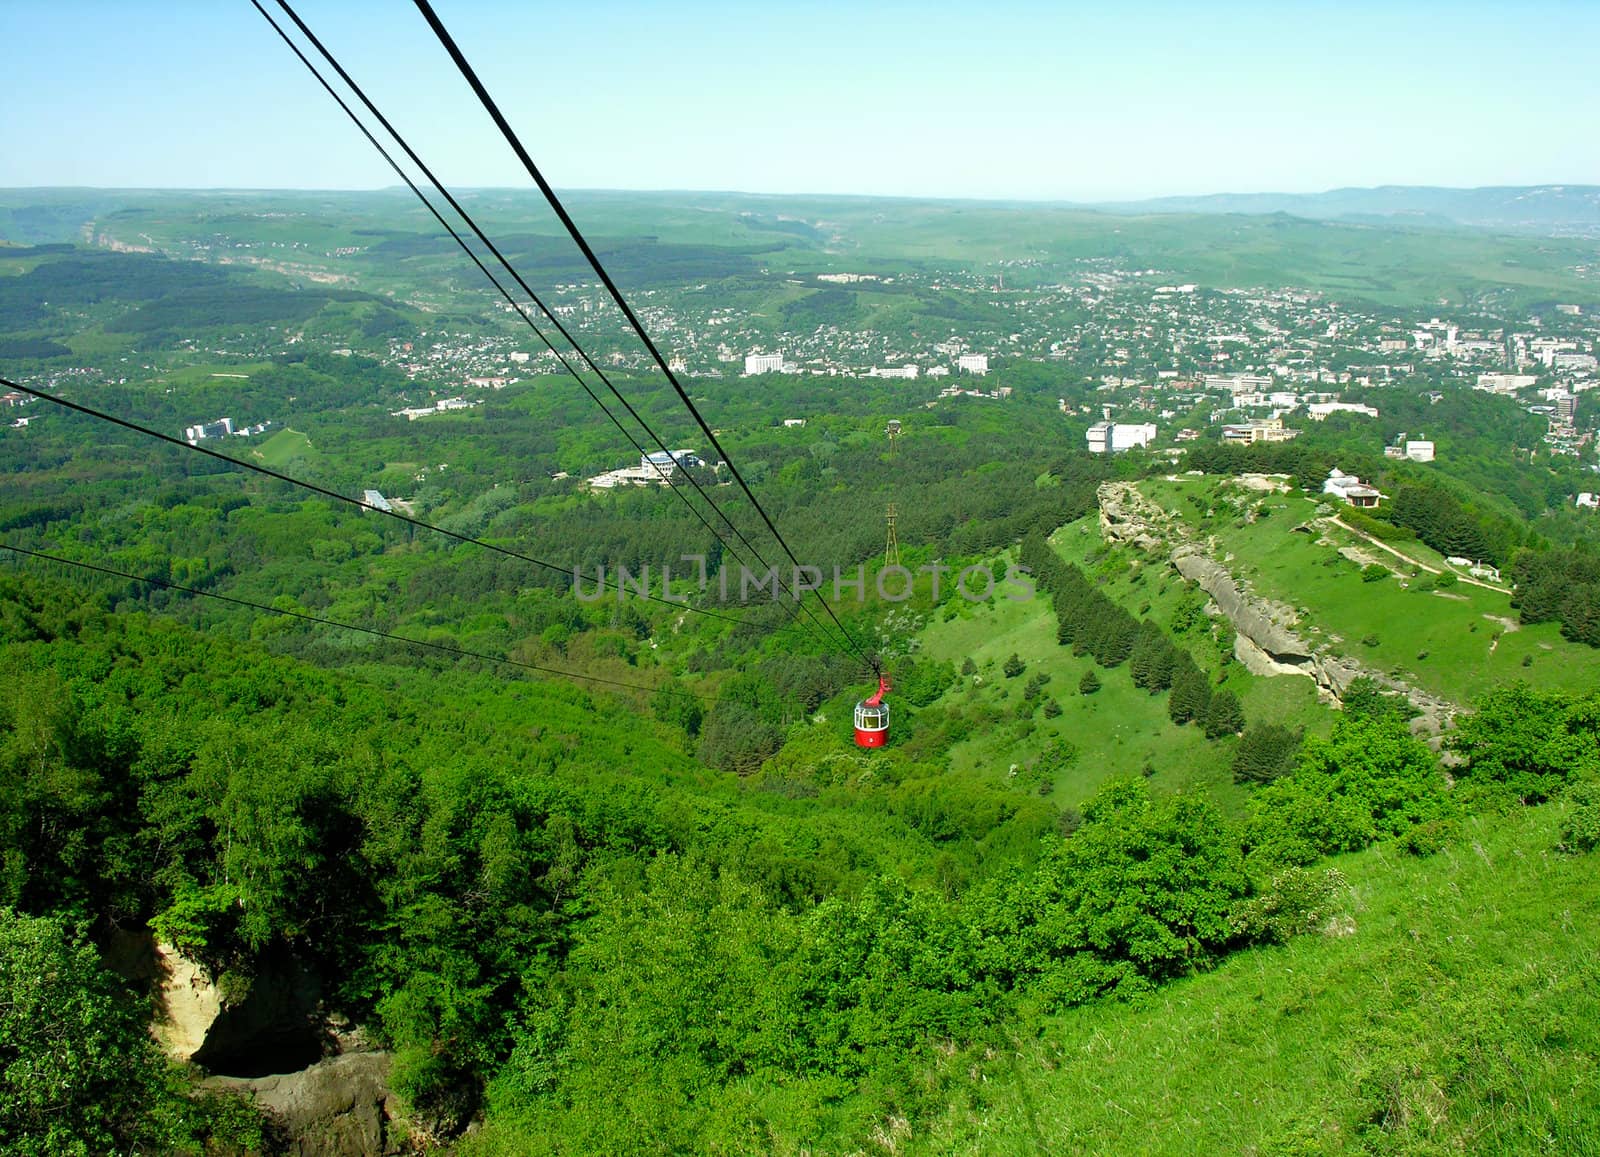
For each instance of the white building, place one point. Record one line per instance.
(1239, 383)
(1504, 383)
(199, 432)
(973, 363)
(1320, 410)
(1351, 489)
(1115, 437)
(763, 364)
(1545, 349)
(627, 476)
(654, 469)
(667, 460)
(1419, 451)
(892, 372)
(442, 406)
(1258, 430)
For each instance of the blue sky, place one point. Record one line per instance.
(1005, 98)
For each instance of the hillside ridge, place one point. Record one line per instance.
(1265, 640)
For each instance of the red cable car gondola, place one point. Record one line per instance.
(872, 717)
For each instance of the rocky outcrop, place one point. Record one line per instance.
(1265, 639)
(340, 1107)
(273, 1023)
(1266, 624)
(189, 1003)
(1127, 516)
(312, 1072)
(187, 1000)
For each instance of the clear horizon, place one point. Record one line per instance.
(1031, 102)
(781, 194)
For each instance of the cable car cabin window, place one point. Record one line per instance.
(872, 724)
(874, 717)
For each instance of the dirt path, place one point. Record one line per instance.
(1381, 545)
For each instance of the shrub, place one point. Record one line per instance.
(1531, 741)
(1226, 638)
(1051, 709)
(1297, 901)
(1089, 684)
(1014, 666)
(1069, 821)
(1429, 838)
(1374, 572)
(1364, 698)
(1377, 527)
(1142, 891)
(1580, 831)
(1371, 778)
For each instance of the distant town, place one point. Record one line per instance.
(1262, 363)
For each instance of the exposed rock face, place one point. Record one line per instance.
(190, 1003)
(278, 1026)
(1265, 639)
(1265, 624)
(1126, 516)
(270, 1046)
(340, 1107)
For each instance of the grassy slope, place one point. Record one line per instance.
(1122, 729)
(1455, 630)
(1124, 577)
(1461, 1014)
(283, 448)
(1118, 730)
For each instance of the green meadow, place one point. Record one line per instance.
(1451, 1005)
(1457, 641)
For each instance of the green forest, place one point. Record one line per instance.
(603, 870)
(533, 894)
